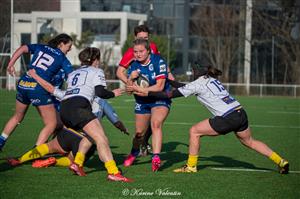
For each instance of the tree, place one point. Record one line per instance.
(218, 28)
(281, 22)
(87, 38)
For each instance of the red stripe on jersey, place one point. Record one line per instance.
(162, 76)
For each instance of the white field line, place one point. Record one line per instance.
(250, 170)
(284, 112)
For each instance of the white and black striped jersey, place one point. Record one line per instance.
(212, 94)
(82, 82)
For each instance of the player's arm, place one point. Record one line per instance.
(46, 85)
(159, 86)
(102, 92)
(157, 95)
(124, 64)
(176, 84)
(10, 68)
(121, 74)
(165, 95)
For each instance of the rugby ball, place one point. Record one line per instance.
(142, 81)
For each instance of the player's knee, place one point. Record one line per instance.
(193, 132)
(19, 116)
(156, 124)
(139, 136)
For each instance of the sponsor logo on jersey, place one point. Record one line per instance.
(52, 50)
(35, 101)
(163, 68)
(151, 67)
(27, 84)
(73, 91)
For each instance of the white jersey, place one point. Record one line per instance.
(212, 94)
(82, 82)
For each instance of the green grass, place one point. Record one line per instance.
(274, 120)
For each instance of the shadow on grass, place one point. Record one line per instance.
(171, 157)
(227, 162)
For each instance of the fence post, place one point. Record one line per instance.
(260, 90)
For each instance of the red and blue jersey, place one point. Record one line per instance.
(156, 69)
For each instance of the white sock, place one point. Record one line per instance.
(5, 136)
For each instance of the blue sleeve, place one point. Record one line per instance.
(110, 112)
(160, 66)
(33, 47)
(67, 66)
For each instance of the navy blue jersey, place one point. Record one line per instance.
(156, 69)
(48, 61)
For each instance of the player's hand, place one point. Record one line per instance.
(121, 127)
(118, 92)
(134, 74)
(11, 70)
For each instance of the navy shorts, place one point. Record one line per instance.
(236, 121)
(29, 92)
(146, 108)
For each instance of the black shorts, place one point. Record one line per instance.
(76, 112)
(69, 140)
(236, 121)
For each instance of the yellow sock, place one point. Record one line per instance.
(63, 162)
(79, 158)
(192, 160)
(275, 158)
(35, 153)
(111, 167)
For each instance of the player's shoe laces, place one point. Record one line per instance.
(118, 177)
(2, 142)
(129, 160)
(13, 162)
(186, 169)
(155, 163)
(77, 170)
(44, 163)
(283, 166)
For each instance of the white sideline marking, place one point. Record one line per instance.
(251, 170)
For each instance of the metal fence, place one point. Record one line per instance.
(234, 88)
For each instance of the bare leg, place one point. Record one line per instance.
(48, 114)
(246, 139)
(96, 132)
(202, 128)
(158, 116)
(18, 116)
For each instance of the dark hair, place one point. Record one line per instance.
(141, 28)
(144, 42)
(88, 55)
(207, 70)
(61, 38)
